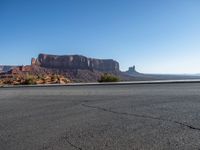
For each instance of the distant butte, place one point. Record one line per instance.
(61, 69)
(75, 62)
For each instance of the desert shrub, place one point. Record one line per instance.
(29, 80)
(40, 77)
(106, 77)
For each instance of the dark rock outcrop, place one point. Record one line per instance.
(75, 62)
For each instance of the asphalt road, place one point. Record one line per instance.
(101, 117)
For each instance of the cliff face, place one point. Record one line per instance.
(75, 62)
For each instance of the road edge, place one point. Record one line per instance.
(105, 83)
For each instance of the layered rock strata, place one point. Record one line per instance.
(75, 62)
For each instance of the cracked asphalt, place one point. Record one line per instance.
(101, 117)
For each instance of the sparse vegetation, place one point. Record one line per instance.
(106, 77)
(29, 80)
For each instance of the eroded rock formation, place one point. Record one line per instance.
(75, 62)
(132, 71)
(47, 69)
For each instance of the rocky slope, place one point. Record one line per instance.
(32, 75)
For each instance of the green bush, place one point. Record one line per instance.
(29, 80)
(108, 78)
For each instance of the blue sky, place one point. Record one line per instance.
(158, 36)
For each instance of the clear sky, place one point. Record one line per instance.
(158, 36)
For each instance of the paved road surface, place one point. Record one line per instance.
(103, 117)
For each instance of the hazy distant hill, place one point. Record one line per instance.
(132, 72)
(6, 68)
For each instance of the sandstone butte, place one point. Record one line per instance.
(75, 62)
(47, 69)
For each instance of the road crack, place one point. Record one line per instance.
(71, 144)
(142, 116)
